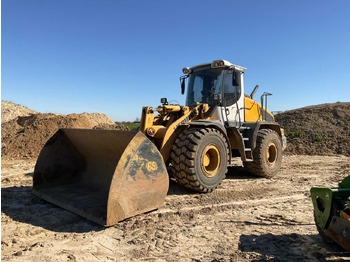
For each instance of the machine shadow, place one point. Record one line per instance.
(239, 172)
(234, 173)
(22, 206)
(290, 247)
(177, 189)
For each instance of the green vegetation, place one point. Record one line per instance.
(299, 133)
(132, 125)
(318, 138)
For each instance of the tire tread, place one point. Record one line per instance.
(257, 166)
(183, 157)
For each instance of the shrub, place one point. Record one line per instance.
(300, 133)
(318, 138)
(296, 134)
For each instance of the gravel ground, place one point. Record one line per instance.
(246, 219)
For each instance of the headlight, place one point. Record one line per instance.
(186, 70)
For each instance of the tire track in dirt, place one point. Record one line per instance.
(263, 201)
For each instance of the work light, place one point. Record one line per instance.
(186, 70)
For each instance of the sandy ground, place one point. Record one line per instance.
(246, 219)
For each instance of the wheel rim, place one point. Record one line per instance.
(271, 154)
(210, 160)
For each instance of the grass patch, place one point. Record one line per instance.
(132, 125)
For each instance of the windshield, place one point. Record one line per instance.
(203, 83)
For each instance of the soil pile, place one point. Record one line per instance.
(317, 130)
(95, 119)
(24, 137)
(11, 111)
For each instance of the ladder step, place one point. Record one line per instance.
(245, 138)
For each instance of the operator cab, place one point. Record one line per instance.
(219, 83)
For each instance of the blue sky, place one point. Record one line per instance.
(114, 56)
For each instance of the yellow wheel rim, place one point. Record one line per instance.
(271, 154)
(210, 160)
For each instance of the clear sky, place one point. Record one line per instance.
(114, 56)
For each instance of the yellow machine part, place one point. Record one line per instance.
(252, 111)
(102, 175)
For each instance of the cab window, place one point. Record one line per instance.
(202, 86)
(231, 93)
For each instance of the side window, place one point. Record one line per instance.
(197, 87)
(231, 93)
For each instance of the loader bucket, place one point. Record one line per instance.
(102, 175)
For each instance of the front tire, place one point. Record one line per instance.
(199, 159)
(267, 154)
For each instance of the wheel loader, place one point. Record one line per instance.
(107, 176)
(332, 213)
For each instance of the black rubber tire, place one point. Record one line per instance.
(260, 165)
(186, 157)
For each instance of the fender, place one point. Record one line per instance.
(255, 127)
(215, 124)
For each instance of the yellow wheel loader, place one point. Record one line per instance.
(107, 176)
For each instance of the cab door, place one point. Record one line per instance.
(233, 104)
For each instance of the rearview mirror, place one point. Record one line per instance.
(182, 81)
(182, 86)
(234, 78)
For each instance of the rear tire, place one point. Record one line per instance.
(199, 159)
(267, 154)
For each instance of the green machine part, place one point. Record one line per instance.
(345, 183)
(332, 212)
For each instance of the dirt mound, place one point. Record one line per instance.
(11, 111)
(23, 137)
(95, 118)
(317, 130)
